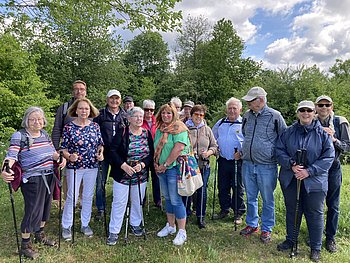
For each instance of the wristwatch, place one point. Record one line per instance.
(165, 165)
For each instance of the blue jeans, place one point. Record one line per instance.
(260, 178)
(173, 201)
(101, 186)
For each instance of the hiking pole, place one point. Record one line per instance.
(104, 196)
(60, 204)
(215, 174)
(74, 179)
(300, 157)
(7, 169)
(126, 237)
(141, 205)
(236, 189)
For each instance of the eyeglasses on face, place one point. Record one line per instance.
(199, 114)
(307, 110)
(321, 105)
(36, 120)
(152, 110)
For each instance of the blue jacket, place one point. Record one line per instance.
(260, 132)
(319, 151)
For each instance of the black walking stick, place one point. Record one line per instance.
(126, 237)
(104, 195)
(7, 169)
(141, 205)
(60, 204)
(74, 182)
(300, 160)
(215, 175)
(236, 190)
(202, 196)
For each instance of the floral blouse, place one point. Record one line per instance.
(83, 141)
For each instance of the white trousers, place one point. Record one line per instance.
(120, 200)
(88, 176)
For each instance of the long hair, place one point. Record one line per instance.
(73, 108)
(166, 107)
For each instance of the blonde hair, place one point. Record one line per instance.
(168, 107)
(73, 108)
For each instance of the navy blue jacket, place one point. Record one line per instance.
(319, 157)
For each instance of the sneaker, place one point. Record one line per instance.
(201, 223)
(167, 230)
(66, 234)
(248, 230)
(112, 239)
(331, 246)
(265, 237)
(137, 230)
(28, 251)
(315, 255)
(180, 237)
(285, 245)
(221, 215)
(87, 231)
(40, 237)
(238, 220)
(99, 216)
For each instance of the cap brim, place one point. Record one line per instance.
(248, 98)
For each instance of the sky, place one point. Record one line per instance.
(281, 33)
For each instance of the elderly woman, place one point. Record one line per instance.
(204, 145)
(171, 141)
(132, 153)
(305, 135)
(82, 147)
(149, 123)
(34, 151)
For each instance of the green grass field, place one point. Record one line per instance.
(216, 243)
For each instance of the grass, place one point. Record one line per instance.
(216, 243)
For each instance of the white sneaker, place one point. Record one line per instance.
(180, 237)
(167, 230)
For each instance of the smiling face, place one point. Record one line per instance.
(197, 117)
(83, 110)
(233, 111)
(306, 116)
(324, 108)
(136, 120)
(167, 116)
(114, 101)
(35, 122)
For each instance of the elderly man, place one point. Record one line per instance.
(228, 133)
(188, 105)
(111, 118)
(261, 127)
(338, 128)
(128, 103)
(178, 104)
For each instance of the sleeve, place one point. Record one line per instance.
(65, 137)
(281, 153)
(116, 148)
(149, 159)
(15, 146)
(343, 142)
(182, 137)
(99, 135)
(281, 124)
(212, 142)
(57, 128)
(215, 129)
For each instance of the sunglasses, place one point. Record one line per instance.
(307, 110)
(152, 110)
(199, 114)
(324, 105)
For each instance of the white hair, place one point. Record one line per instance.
(30, 110)
(148, 104)
(234, 100)
(176, 101)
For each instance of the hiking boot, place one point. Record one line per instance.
(180, 237)
(137, 230)
(285, 245)
(28, 251)
(331, 246)
(265, 237)
(221, 215)
(40, 237)
(238, 220)
(315, 255)
(167, 230)
(66, 234)
(112, 239)
(248, 230)
(99, 216)
(201, 223)
(87, 231)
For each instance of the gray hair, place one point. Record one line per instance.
(30, 110)
(149, 104)
(234, 100)
(176, 101)
(132, 111)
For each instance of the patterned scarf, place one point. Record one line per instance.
(175, 127)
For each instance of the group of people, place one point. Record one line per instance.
(132, 142)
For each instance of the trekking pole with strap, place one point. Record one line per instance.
(300, 160)
(236, 190)
(202, 194)
(141, 206)
(7, 169)
(103, 185)
(74, 182)
(126, 237)
(215, 175)
(60, 204)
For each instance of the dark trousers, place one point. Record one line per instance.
(101, 180)
(155, 185)
(311, 205)
(37, 202)
(226, 182)
(333, 199)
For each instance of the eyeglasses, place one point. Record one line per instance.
(307, 110)
(199, 114)
(320, 105)
(36, 120)
(152, 110)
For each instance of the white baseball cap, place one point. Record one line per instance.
(113, 92)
